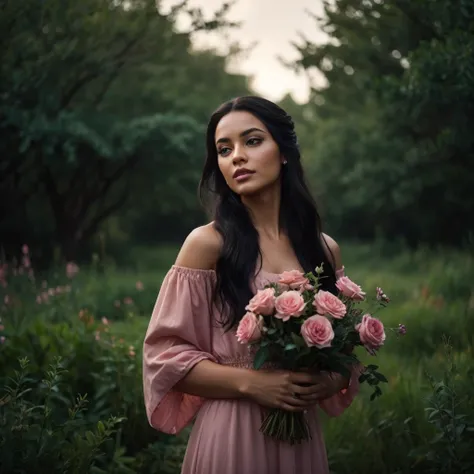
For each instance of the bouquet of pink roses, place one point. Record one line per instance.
(296, 325)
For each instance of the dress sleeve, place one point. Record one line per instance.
(336, 405)
(179, 336)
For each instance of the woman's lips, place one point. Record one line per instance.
(243, 176)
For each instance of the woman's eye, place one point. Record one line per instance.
(223, 151)
(254, 141)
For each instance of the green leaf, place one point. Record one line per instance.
(363, 378)
(260, 357)
(298, 340)
(101, 427)
(381, 377)
(290, 347)
(90, 438)
(373, 396)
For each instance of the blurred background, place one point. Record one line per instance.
(103, 110)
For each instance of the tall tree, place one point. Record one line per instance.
(82, 113)
(393, 145)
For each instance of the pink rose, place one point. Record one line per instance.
(289, 303)
(295, 280)
(263, 302)
(348, 288)
(371, 332)
(326, 303)
(249, 328)
(317, 331)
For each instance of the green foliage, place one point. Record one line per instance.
(36, 431)
(102, 359)
(450, 449)
(97, 359)
(96, 115)
(388, 139)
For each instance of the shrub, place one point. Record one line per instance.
(38, 430)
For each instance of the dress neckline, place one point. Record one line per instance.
(262, 271)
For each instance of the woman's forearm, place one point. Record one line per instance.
(210, 380)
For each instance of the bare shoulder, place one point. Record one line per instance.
(333, 251)
(201, 248)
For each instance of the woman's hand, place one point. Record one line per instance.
(291, 391)
(327, 385)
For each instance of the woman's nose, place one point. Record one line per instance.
(239, 156)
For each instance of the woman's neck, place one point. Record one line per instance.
(264, 210)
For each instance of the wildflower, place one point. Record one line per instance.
(105, 321)
(97, 336)
(3, 272)
(139, 286)
(71, 270)
(381, 296)
(402, 330)
(26, 262)
(2, 339)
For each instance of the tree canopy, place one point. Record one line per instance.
(392, 135)
(100, 102)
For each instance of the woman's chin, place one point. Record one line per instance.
(246, 189)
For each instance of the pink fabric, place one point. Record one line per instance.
(225, 438)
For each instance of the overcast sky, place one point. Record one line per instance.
(273, 24)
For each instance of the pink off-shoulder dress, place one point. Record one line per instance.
(225, 438)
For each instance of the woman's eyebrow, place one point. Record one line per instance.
(243, 134)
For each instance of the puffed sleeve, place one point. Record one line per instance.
(179, 336)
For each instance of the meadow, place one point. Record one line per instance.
(70, 367)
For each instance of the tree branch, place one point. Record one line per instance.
(117, 63)
(101, 190)
(90, 230)
(67, 98)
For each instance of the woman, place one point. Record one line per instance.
(265, 222)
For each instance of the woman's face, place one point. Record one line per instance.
(247, 154)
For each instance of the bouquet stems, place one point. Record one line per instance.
(286, 426)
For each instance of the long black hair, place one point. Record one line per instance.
(299, 217)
